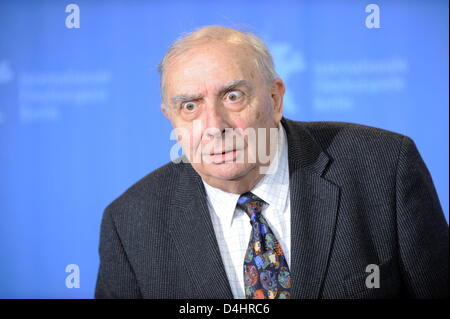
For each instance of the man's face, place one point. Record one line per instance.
(215, 96)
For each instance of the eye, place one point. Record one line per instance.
(189, 106)
(234, 96)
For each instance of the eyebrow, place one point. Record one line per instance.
(227, 87)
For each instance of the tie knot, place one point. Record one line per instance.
(251, 204)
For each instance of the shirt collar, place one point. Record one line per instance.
(224, 203)
(273, 188)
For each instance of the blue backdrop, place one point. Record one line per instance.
(80, 119)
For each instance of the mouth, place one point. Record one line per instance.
(221, 157)
(221, 153)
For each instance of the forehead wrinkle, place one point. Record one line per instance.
(232, 84)
(238, 52)
(186, 97)
(226, 87)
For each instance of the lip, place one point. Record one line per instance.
(221, 153)
(218, 158)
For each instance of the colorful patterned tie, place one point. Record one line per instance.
(266, 272)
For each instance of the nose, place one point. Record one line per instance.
(214, 122)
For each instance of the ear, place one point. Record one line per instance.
(277, 94)
(165, 110)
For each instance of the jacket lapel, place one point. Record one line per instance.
(193, 233)
(314, 203)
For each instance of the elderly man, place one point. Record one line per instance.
(264, 207)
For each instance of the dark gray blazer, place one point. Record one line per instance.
(359, 196)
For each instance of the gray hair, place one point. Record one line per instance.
(261, 55)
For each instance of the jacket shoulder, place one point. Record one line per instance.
(155, 187)
(353, 145)
(352, 131)
(352, 138)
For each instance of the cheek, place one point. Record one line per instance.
(259, 112)
(255, 117)
(266, 110)
(191, 140)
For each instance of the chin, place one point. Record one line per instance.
(228, 171)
